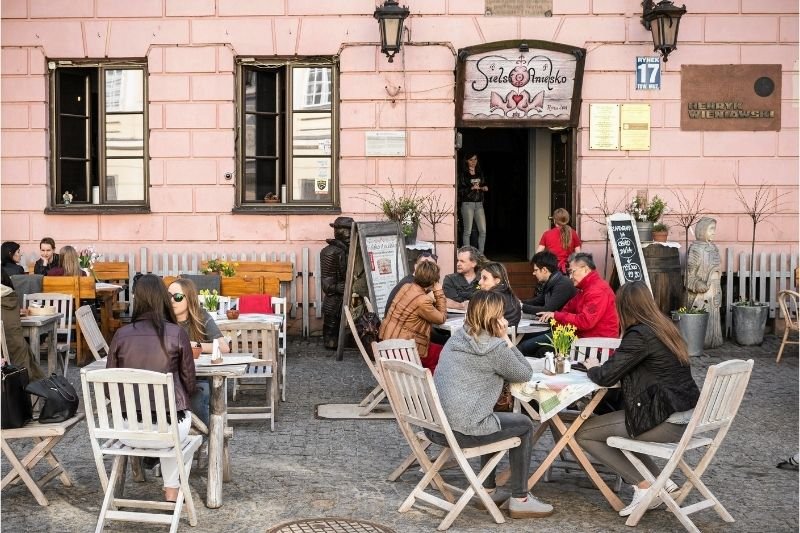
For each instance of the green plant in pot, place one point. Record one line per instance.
(660, 232)
(646, 214)
(692, 322)
(404, 207)
(749, 314)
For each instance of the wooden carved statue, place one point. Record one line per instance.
(703, 278)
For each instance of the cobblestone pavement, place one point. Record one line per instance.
(311, 467)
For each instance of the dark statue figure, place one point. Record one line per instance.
(333, 263)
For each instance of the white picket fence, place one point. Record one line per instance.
(297, 292)
(773, 272)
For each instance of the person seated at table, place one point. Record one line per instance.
(652, 365)
(48, 258)
(154, 341)
(417, 306)
(18, 349)
(202, 330)
(591, 310)
(472, 369)
(69, 263)
(11, 257)
(554, 291)
(494, 277)
(424, 256)
(463, 283)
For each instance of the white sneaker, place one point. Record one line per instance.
(638, 496)
(530, 507)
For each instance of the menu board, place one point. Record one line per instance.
(627, 250)
(378, 253)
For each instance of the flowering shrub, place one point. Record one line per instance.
(88, 257)
(223, 267)
(643, 211)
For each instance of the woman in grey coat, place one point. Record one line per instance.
(469, 378)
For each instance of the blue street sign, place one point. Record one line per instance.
(648, 73)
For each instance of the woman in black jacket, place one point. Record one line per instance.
(494, 277)
(652, 364)
(471, 188)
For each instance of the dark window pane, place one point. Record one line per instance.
(259, 179)
(73, 179)
(72, 91)
(260, 90)
(124, 135)
(261, 135)
(72, 137)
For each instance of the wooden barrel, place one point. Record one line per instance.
(664, 270)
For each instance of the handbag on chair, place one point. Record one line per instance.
(60, 398)
(16, 410)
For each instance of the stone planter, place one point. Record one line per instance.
(645, 230)
(693, 330)
(749, 322)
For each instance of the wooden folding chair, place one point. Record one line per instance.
(260, 339)
(63, 305)
(415, 402)
(789, 302)
(279, 307)
(719, 402)
(377, 394)
(138, 388)
(91, 332)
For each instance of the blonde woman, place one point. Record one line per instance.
(475, 362)
(195, 320)
(562, 240)
(69, 263)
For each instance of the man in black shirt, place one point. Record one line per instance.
(462, 284)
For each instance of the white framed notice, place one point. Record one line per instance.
(385, 143)
(603, 126)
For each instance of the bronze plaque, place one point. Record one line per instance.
(731, 97)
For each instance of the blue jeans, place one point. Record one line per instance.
(200, 400)
(473, 211)
(530, 347)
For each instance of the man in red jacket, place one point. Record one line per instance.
(592, 310)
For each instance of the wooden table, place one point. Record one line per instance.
(35, 326)
(526, 325)
(107, 295)
(554, 394)
(234, 365)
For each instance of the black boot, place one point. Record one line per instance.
(330, 343)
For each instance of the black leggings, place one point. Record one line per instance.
(511, 425)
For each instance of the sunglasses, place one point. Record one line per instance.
(178, 296)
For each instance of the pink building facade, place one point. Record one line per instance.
(183, 155)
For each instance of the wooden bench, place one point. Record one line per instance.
(274, 274)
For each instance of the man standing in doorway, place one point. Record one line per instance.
(462, 284)
(592, 310)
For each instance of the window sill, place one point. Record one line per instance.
(286, 209)
(97, 209)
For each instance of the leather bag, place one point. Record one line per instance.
(60, 399)
(16, 403)
(505, 403)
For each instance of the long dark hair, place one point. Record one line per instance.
(635, 305)
(9, 248)
(498, 271)
(152, 303)
(465, 165)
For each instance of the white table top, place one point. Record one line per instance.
(103, 285)
(250, 317)
(526, 325)
(232, 363)
(39, 320)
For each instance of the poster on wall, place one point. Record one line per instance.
(604, 127)
(532, 84)
(634, 127)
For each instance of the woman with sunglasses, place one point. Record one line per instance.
(196, 321)
(153, 341)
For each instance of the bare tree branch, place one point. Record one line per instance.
(690, 211)
(606, 210)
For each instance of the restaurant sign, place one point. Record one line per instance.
(731, 97)
(519, 84)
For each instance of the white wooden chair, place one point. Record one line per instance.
(415, 401)
(63, 305)
(789, 302)
(260, 339)
(377, 394)
(719, 402)
(588, 347)
(279, 307)
(138, 388)
(91, 332)
(400, 350)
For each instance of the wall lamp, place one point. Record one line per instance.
(662, 20)
(390, 20)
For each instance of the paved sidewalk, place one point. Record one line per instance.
(311, 467)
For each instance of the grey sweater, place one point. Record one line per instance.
(469, 378)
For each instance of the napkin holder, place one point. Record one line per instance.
(216, 354)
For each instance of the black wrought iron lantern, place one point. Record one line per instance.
(662, 20)
(390, 19)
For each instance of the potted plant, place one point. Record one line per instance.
(750, 315)
(220, 267)
(646, 214)
(692, 322)
(561, 340)
(405, 208)
(271, 198)
(660, 232)
(209, 300)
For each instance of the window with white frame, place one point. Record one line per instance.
(99, 134)
(286, 142)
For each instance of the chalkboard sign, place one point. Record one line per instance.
(627, 249)
(378, 256)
